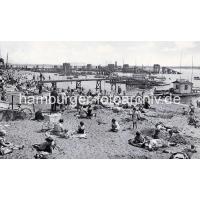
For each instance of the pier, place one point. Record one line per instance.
(78, 82)
(136, 80)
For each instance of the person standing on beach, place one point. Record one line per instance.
(62, 98)
(134, 118)
(191, 108)
(40, 88)
(54, 96)
(119, 90)
(41, 76)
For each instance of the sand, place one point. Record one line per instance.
(100, 143)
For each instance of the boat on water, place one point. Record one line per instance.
(140, 80)
(181, 88)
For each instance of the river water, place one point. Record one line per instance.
(186, 74)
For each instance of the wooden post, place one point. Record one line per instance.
(12, 101)
(33, 107)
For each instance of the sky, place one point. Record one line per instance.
(102, 53)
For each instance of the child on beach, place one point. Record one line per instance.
(114, 126)
(81, 128)
(80, 133)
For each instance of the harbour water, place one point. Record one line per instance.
(187, 74)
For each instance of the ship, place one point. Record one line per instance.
(181, 88)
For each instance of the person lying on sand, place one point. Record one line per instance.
(161, 127)
(114, 126)
(149, 143)
(45, 148)
(7, 147)
(155, 144)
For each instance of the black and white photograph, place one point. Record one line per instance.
(100, 100)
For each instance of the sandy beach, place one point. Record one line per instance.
(100, 142)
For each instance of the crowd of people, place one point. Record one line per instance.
(61, 103)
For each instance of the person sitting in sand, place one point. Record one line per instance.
(146, 104)
(82, 112)
(7, 147)
(184, 112)
(80, 133)
(59, 129)
(89, 112)
(192, 120)
(81, 128)
(45, 148)
(114, 126)
(139, 139)
(158, 128)
(38, 115)
(156, 133)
